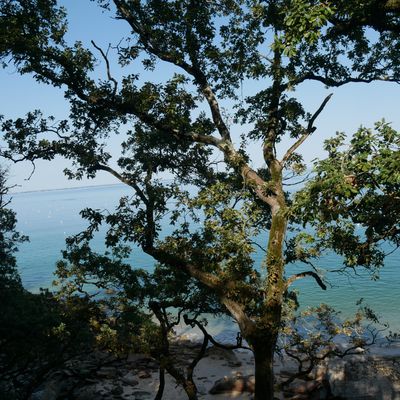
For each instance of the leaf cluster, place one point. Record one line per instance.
(352, 199)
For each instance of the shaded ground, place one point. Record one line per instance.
(135, 377)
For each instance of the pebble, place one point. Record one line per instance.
(144, 374)
(129, 380)
(107, 372)
(142, 395)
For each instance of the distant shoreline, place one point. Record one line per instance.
(74, 188)
(66, 188)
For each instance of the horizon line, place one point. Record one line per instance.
(66, 188)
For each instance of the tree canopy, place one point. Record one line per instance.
(179, 126)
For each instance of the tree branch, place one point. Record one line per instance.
(162, 256)
(199, 356)
(313, 274)
(192, 322)
(210, 280)
(380, 15)
(335, 83)
(247, 325)
(309, 130)
(129, 182)
(110, 77)
(193, 70)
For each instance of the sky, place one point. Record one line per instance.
(350, 107)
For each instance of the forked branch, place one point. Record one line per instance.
(308, 131)
(107, 61)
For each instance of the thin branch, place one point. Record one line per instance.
(334, 83)
(315, 359)
(131, 108)
(110, 77)
(4, 191)
(300, 371)
(258, 245)
(309, 130)
(392, 251)
(192, 322)
(307, 177)
(304, 274)
(129, 182)
(57, 132)
(32, 172)
(196, 360)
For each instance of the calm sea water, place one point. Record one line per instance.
(49, 217)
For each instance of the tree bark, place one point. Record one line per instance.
(191, 390)
(264, 371)
(266, 332)
(161, 386)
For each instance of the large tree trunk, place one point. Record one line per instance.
(267, 330)
(264, 371)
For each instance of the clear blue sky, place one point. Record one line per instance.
(350, 107)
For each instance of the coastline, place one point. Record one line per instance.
(224, 374)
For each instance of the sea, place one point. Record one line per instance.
(49, 217)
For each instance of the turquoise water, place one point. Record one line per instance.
(49, 217)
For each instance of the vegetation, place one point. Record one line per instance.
(179, 126)
(36, 332)
(39, 332)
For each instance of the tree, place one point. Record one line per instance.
(37, 332)
(178, 125)
(9, 238)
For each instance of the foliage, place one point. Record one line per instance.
(9, 238)
(352, 200)
(319, 333)
(177, 126)
(38, 332)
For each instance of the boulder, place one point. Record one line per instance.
(362, 378)
(237, 384)
(303, 387)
